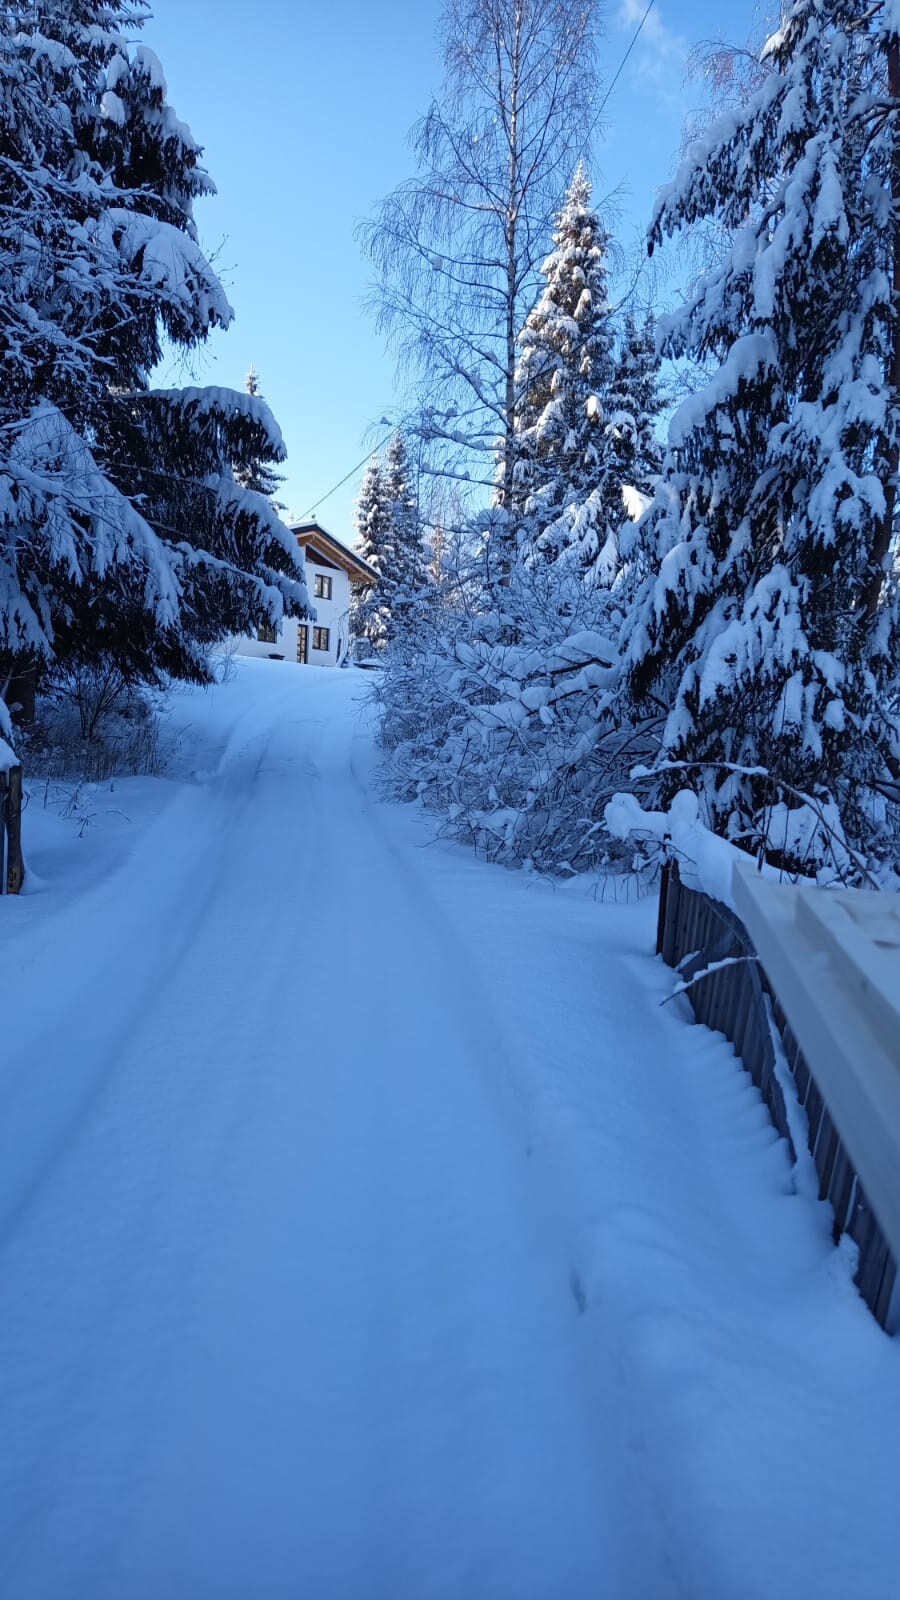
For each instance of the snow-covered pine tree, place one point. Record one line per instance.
(104, 551)
(370, 616)
(767, 617)
(568, 500)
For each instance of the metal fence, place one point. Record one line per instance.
(694, 933)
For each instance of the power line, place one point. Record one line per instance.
(334, 489)
(618, 72)
(600, 110)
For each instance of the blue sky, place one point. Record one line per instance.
(303, 110)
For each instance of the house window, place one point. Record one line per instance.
(323, 587)
(320, 638)
(267, 633)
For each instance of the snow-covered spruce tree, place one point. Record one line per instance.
(259, 474)
(636, 403)
(408, 574)
(183, 452)
(103, 549)
(769, 607)
(370, 615)
(567, 497)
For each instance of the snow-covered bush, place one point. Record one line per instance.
(92, 726)
(518, 744)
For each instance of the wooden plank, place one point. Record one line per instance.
(841, 1190)
(663, 904)
(825, 1153)
(814, 1107)
(885, 1303)
(3, 788)
(673, 898)
(874, 1255)
(15, 868)
(744, 1014)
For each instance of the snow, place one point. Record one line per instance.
(112, 108)
(369, 1228)
(705, 861)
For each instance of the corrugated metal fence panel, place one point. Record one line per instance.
(694, 931)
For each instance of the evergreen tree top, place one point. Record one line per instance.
(768, 601)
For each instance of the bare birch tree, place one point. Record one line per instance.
(457, 247)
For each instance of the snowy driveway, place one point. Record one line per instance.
(367, 1232)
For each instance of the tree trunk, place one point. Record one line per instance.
(20, 691)
(885, 528)
(505, 494)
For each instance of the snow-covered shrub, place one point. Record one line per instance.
(93, 726)
(518, 744)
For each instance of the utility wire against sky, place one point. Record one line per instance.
(617, 74)
(590, 133)
(334, 489)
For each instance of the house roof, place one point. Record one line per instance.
(313, 533)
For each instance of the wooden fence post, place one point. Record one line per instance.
(661, 923)
(15, 867)
(3, 789)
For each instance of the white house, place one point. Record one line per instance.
(332, 571)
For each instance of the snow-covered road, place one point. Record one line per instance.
(367, 1232)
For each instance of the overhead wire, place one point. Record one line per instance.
(618, 73)
(334, 489)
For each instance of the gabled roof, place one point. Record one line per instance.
(313, 533)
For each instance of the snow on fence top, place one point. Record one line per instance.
(833, 958)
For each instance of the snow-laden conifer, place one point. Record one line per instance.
(258, 472)
(566, 502)
(370, 616)
(586, 407)
(406, 573)
(107, 546)
(768, 616)
(635, 404)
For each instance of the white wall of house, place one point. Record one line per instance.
(329, 591)
(328, 634)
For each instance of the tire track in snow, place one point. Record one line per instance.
(281, 1315)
